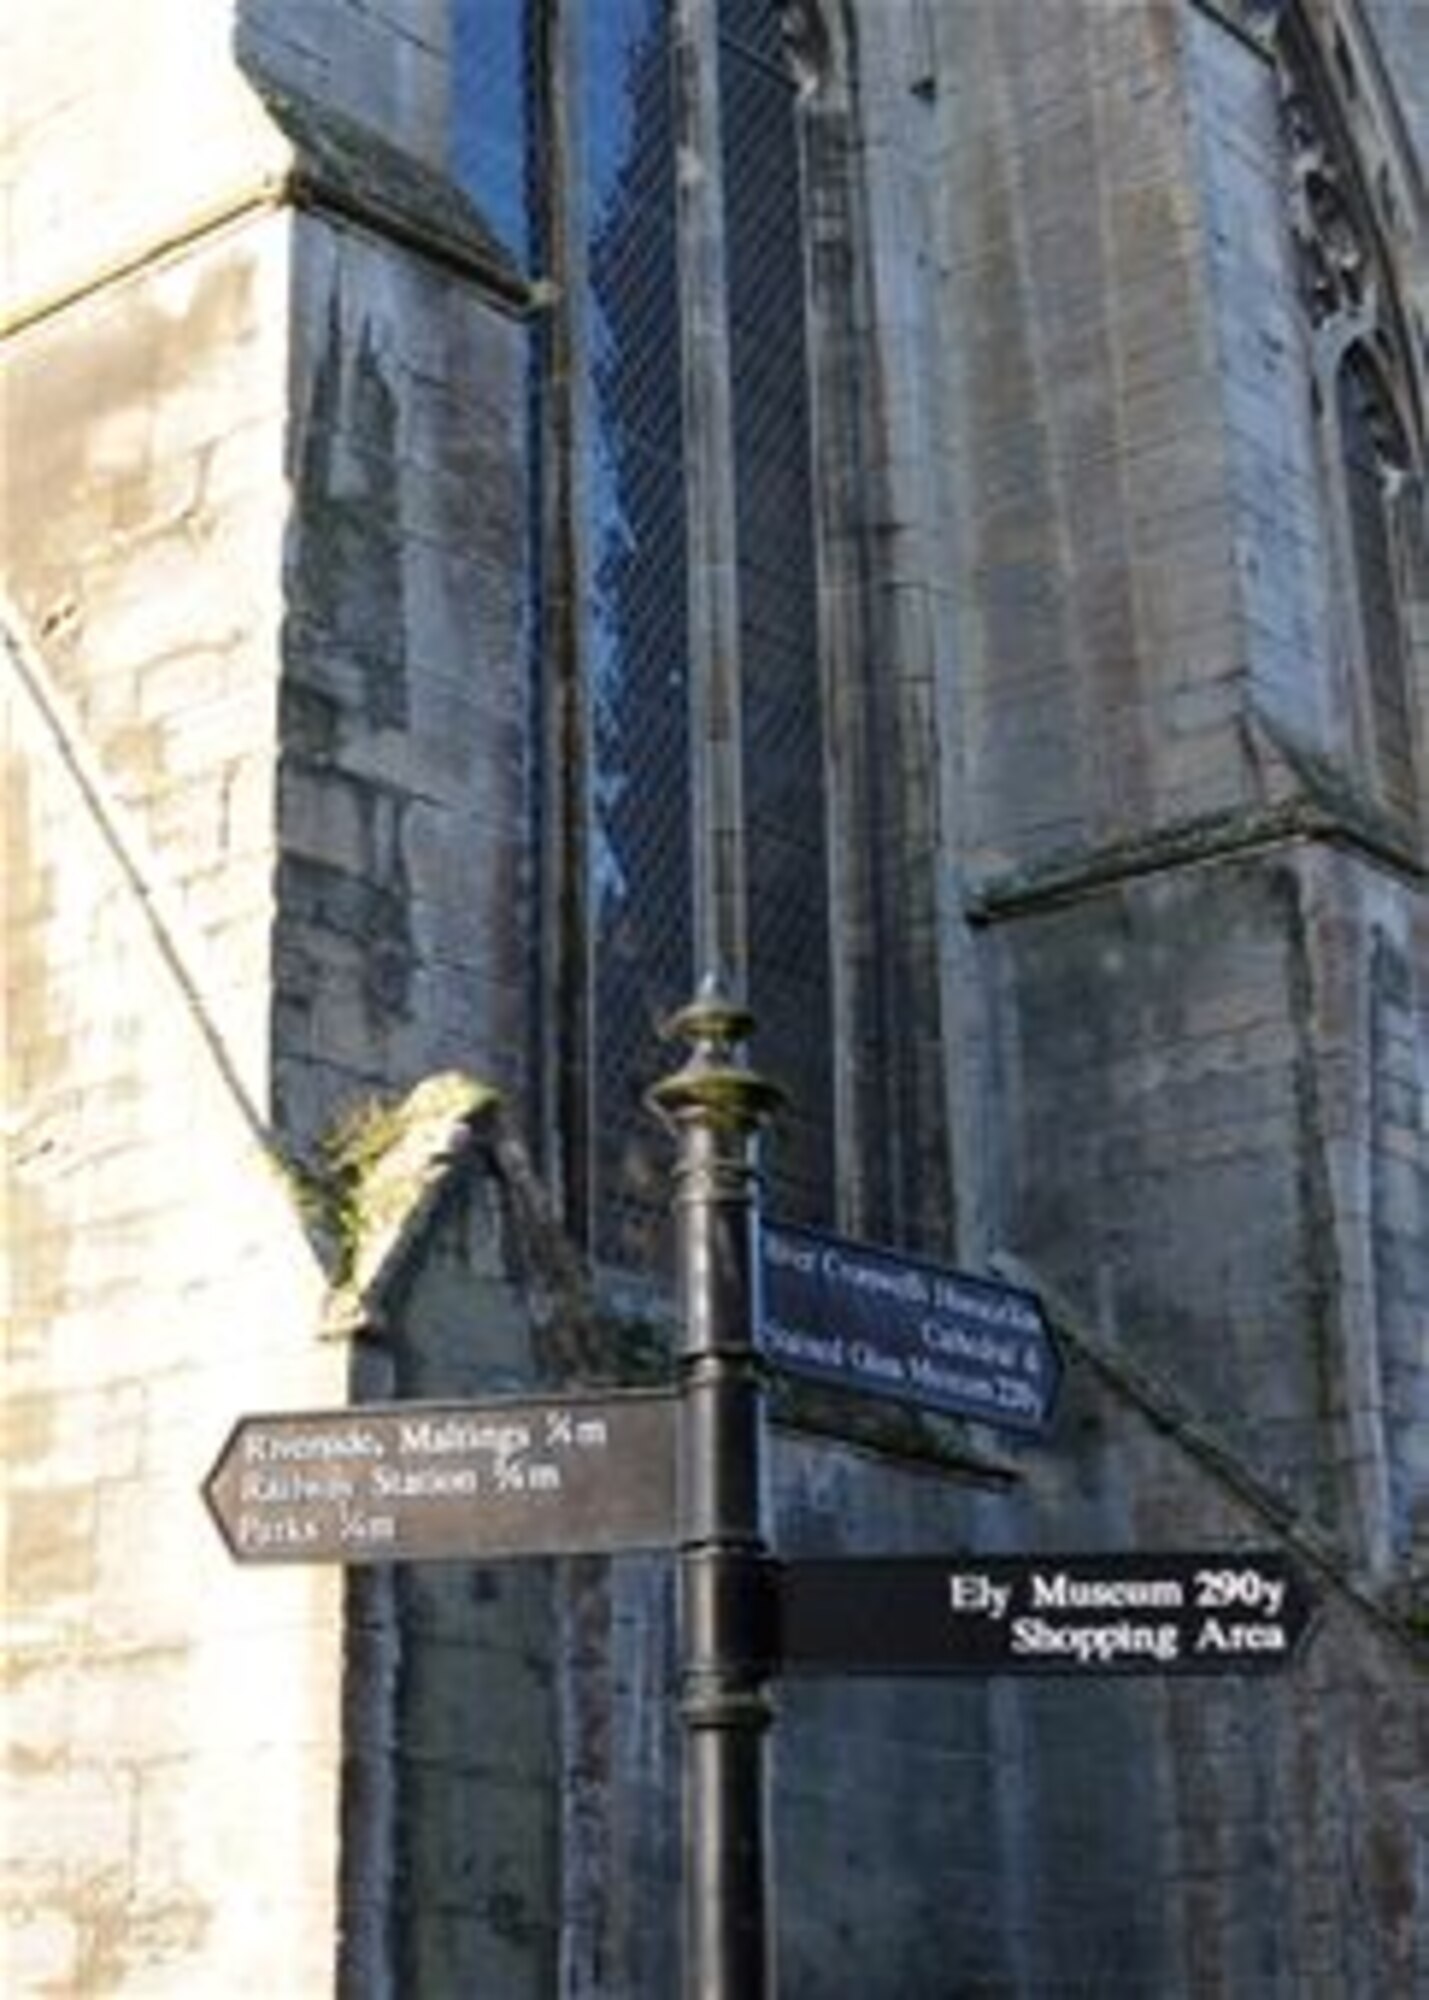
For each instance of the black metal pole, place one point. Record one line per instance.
(716, 1106)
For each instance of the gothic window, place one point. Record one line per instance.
(630, 492)
(786, 859)
(1399, 1197)
(1363, 378)
(582, 176)
(1375, 463)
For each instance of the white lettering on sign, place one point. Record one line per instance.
(965, 1346)
(515, 1475)
(1063, 1591)
(257, 1531)
(825, 1351)
(1215, 1637)
(281, 1489)
(974, 1594)
(351, 1441)
(995, 1394)
(904, 1283)
(1095, 1645)
(431, 1437)
(1000, 1308)
(1087, 1614)
(902, 1328)
(876, 1363)
(356, 1525)
(1049, 1613)
(784, 1253)
(1250, 1589)
(425, 1483)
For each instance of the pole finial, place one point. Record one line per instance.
(715, 1083)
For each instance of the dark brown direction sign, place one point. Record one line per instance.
(404, 1482)
(1229, 1611)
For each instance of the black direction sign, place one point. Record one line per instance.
(865, 1319)
(1226, 1612)
(403, 1482)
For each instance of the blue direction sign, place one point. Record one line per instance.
(869, 1319)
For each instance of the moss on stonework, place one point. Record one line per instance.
(375, 1174)
(368, 1134)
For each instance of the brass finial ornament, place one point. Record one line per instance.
(715, 1083)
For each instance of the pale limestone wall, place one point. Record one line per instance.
(125, 129)
(262, 485)
(173, 1724)
(144, 511)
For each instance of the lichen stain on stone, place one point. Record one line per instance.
(29, 1429)
(120, 1937)
(346, 591)
(51, 1544)
(33, 1066)
(370, 1195)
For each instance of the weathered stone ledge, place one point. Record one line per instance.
(1070, 877)
(340, 168)
(345, 168)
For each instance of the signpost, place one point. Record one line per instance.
(563, 1475)
(870, 1320)
(1229, 1611)
(716, 1106)
(683, 1469)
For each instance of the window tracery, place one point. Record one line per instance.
(585, 176)
(1363, 379)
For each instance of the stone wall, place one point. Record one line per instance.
(264, 806)
(388, 66)
(403, 808)
(91, 187)
(1164, 696)
(174, 1726)
(1108, 1837)
(1151, 991)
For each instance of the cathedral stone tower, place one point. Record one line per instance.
(510, 505)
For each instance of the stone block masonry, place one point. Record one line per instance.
(159, 1278)
(173, 1738)
(402, 804)
(1127, 947)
